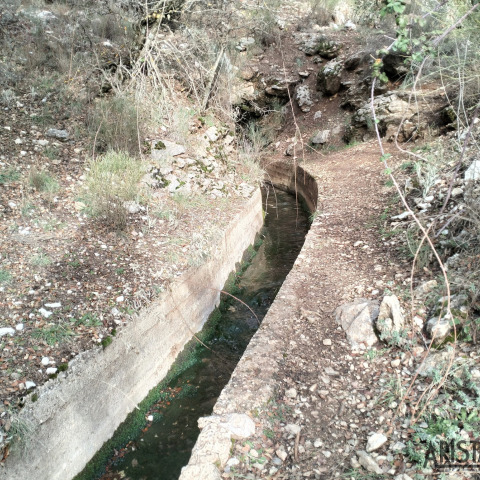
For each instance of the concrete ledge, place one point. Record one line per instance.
(252, 383)
(80, 410)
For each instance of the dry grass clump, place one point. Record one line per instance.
(112, 181)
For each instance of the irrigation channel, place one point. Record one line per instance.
(163, 446)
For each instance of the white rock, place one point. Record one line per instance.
(318, 443)
(51, 371)
(291, 393)
(162, 150)
(281, 453)
(45, 361)
(403, 476)
(349, 25)
(200, 471)
(367, 462)
(212, 134)
(53, 305)
(473, 171)
(29, 384)
(438, 329)
(7, 331)
(150, 418)
(12, 205)
(356, 319)
(292, 428)
(120, 299)
(19, 327)
(45, 313)
(43, 143)
(394, 363)
(238, 425)
(376, 441)
(390, 318)
(327, 342)
(318, 115)
(402, 216)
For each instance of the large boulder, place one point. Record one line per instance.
(357, 319)
(329, 78)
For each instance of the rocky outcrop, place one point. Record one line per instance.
(318, 44)
(391, 110)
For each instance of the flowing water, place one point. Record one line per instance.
(164, 445)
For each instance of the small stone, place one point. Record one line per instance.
(53, 305)
(395, 363)
(61, 135)
(281, 453)
(375, 442)
(19, 327)
(473, 172)
(29, 384)
(321, 137)
(45, 313)
(212, 134)
(7, 331)
(150, 418)
(318, 443)
(318, 115)
(45, 361)
(291, 393)
(292, 428)
(367, 462)
(51, 371)
(327, 342)
(327, 454)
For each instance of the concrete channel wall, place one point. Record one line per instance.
(80, 410)
(252, 383)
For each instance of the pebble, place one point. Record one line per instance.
(291, 393)
(318, 443)
(376, 441)
(29, 384)
(395, 363)
(19, 327)
(45, 313)
(7, 331)
(45, 361)
(281, 453)
(120, 299)
(51, 371)
(327, 342)
(292, 428)
(53, 305)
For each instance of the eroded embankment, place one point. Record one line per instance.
(252, 382)
(75, 414)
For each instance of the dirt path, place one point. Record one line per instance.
(330, 393)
